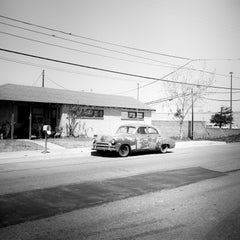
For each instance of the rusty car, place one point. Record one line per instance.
(133, 138)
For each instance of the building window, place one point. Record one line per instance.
(134, 115)
(140, 115)
(92, 113)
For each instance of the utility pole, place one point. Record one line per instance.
(192, 114)
(138, 91)
(231, 73)
(221, 117)
(137, 97)
(43, 76)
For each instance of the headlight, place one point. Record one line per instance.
(113, 142)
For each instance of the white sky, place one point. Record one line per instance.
(188, 28)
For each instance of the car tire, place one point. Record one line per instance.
(124, 151)
(163, 148)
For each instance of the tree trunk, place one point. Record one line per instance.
(181, 130)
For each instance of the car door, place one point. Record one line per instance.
(153, 135)
(142, 138)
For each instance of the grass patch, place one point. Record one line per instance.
(8, 145)
(229, 139)
(71, 142)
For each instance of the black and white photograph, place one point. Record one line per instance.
(120, 120)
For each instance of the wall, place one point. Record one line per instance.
(198, 116)
(106, 125)
(171, 129)
(6, 112)
(223, 132)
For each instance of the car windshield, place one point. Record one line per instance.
(127, 129)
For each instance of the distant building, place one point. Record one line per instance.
(26, 109)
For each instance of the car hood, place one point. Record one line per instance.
(109, 138)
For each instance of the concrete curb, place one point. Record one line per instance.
(54, 152)
(39, 155)
(201, 143)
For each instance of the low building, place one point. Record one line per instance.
(25, 109)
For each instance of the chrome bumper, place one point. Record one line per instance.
(104, 147)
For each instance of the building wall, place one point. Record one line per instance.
(5, 112)
(171, 129)
(198, 116)
(106, 125)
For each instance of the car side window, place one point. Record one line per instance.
(152, 130)
(142, 130)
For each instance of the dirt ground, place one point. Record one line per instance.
(8, 145)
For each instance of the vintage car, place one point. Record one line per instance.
(132, 138)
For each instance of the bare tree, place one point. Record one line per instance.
(194, 86)
(74, 115)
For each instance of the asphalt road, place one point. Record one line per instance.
(185, 194)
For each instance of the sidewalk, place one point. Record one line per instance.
(200, 143)
(55, 151)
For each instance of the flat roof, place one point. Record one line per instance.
(23, 93)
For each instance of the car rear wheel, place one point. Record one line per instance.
(124, 151)
(163, 148)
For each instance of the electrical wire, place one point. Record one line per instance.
(65, 70)
(158, 79)
(222, 92)
(86, 52)
(177, 96)
(92, 39)
(110, 71)
(56, 83)
(101, 55)
(220, 100)
(82, 43)
(114, 44)
(36, 80)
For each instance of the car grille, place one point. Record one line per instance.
(102, 144)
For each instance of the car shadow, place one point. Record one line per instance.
(115, 155)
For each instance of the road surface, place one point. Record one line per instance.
(185, 194)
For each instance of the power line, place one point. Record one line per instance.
(220, 100)
(222, 92)
(114, 44)
(158, 79)
(111, 71)
(86, 52)
(56, 83)
(62, 70)
(82, 43)
(179, 96)
(92, 39)
(220, 59)
(168, 74)
(36, 80)
(170, 65)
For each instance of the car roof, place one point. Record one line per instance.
(136, 125)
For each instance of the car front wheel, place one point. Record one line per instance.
(163, 148)
(124, 151)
